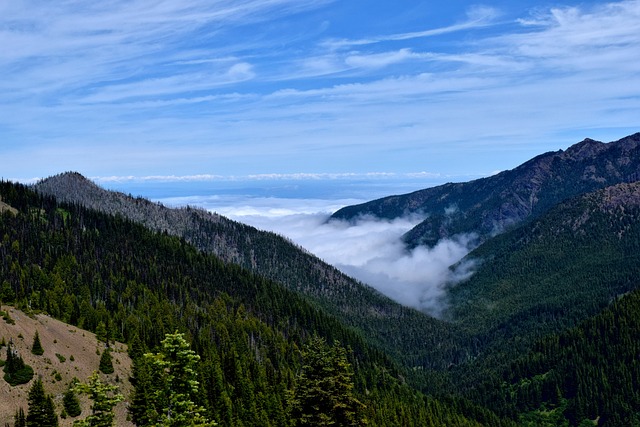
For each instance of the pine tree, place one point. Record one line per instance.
(20, 420)
(141, 408)
(41, 412)
(323, 395)
(71, 402)
(104, 397)
(106, 363)
(173, 385)
(36, 348)
(15, 370)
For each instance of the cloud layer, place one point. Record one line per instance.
(370, 249)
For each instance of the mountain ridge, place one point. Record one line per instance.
(278, 259)
(488, 206)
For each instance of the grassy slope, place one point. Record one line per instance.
(61, 338)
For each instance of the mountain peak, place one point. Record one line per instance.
(585, 149)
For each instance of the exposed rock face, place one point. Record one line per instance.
(490, 205)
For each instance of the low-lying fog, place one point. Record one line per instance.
(370, 249)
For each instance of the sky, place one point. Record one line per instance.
(278, 112)
(217, 90)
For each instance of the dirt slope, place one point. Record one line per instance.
(66, 340)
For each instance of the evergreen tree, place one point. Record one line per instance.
(36, 348)
(173, 386)
(104, 397)
(41, 411)
(15, 370)
(101, 332)
(106, 363)
(71, 402)
(20, 420)
(324, 392)
(140, 405)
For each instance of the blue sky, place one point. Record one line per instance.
(214, 90)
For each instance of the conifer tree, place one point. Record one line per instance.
(106, 363)
(41, 412)
(104, 398)
(36, 348)
(15, 370)
(20, 420)
(173, 386)
(71, 402)
(323, 395)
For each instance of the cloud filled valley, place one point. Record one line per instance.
(370, 249)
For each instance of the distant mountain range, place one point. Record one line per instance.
(489, 206)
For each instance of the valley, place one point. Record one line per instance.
(524, 340)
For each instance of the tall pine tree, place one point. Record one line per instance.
(41, 412)
(171, 386)
(104, 398)
(323, 395)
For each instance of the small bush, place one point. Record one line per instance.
(21, 376)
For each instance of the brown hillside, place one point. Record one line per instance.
(66, 340)
(6, 207)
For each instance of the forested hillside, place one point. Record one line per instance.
(586, 376)
(491, 205)
(540, 334)
(409, 335)
(541, 279)
(95, 270)
(568, 264)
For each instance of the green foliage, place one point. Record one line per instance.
(36, 348)
(174, 390)
(6, 316)
(71, 403)
(15, 370)
(41, 412)
(323, 395)
(20, 419)
(104, 398)
(106, 362)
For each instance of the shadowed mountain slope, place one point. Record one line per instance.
(491, 205)
(575, 258)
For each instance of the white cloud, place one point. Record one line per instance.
(370, 249)
(218, 86)
(477, 17)
(378, 59)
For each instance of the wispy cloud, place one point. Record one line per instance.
(253, 87)
(267, 177)
(477, 17)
